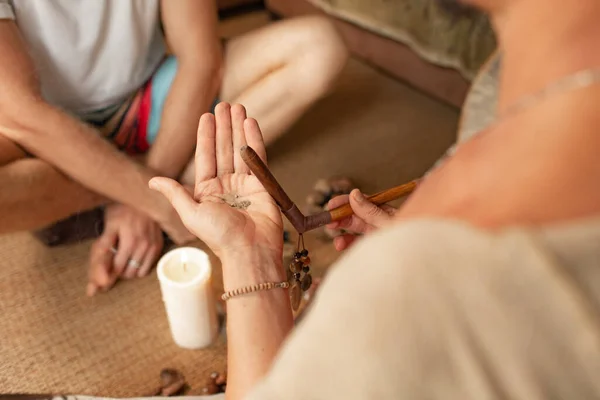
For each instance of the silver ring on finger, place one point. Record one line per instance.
(133, 264)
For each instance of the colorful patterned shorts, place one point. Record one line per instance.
(133, 125)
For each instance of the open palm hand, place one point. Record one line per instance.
(230, 210)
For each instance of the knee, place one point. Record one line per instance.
(324, 53)
(323, 37)
(9, 151)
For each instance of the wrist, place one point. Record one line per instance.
(164, 166)
(160, 209)
(154, 204)
(252, 265)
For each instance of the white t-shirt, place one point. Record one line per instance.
(89, 54)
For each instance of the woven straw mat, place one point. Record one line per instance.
(54, 339)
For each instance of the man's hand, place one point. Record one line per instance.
(138, 241)
(367, 217)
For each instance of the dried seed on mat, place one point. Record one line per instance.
(211, 388)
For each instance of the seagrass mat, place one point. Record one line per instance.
(54, 339)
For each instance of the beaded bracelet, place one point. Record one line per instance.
(299, 279)
(254, 288)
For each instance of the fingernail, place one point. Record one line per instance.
(358, 196)
(152, 184)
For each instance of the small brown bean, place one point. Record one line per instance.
(173, 388)
(221, 379)
(169, 375)
(211, 388)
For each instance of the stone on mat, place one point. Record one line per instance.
(323, 191)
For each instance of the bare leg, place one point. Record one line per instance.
(278, 71)
(33, 194)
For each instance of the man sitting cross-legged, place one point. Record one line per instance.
(72, 72)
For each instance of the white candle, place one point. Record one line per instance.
(185, 282)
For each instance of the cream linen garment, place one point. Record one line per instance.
(440, 310)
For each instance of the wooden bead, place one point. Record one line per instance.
(296, 266)
(304, 253)
(305, 260)
(305, 269)
(254, 288)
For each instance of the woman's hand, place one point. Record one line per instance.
(367, 217)
(230, 210)
(233, 214)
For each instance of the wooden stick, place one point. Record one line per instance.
(290, 210)
(378, 199)
(264, 175)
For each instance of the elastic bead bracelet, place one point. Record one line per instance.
(254, 288)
